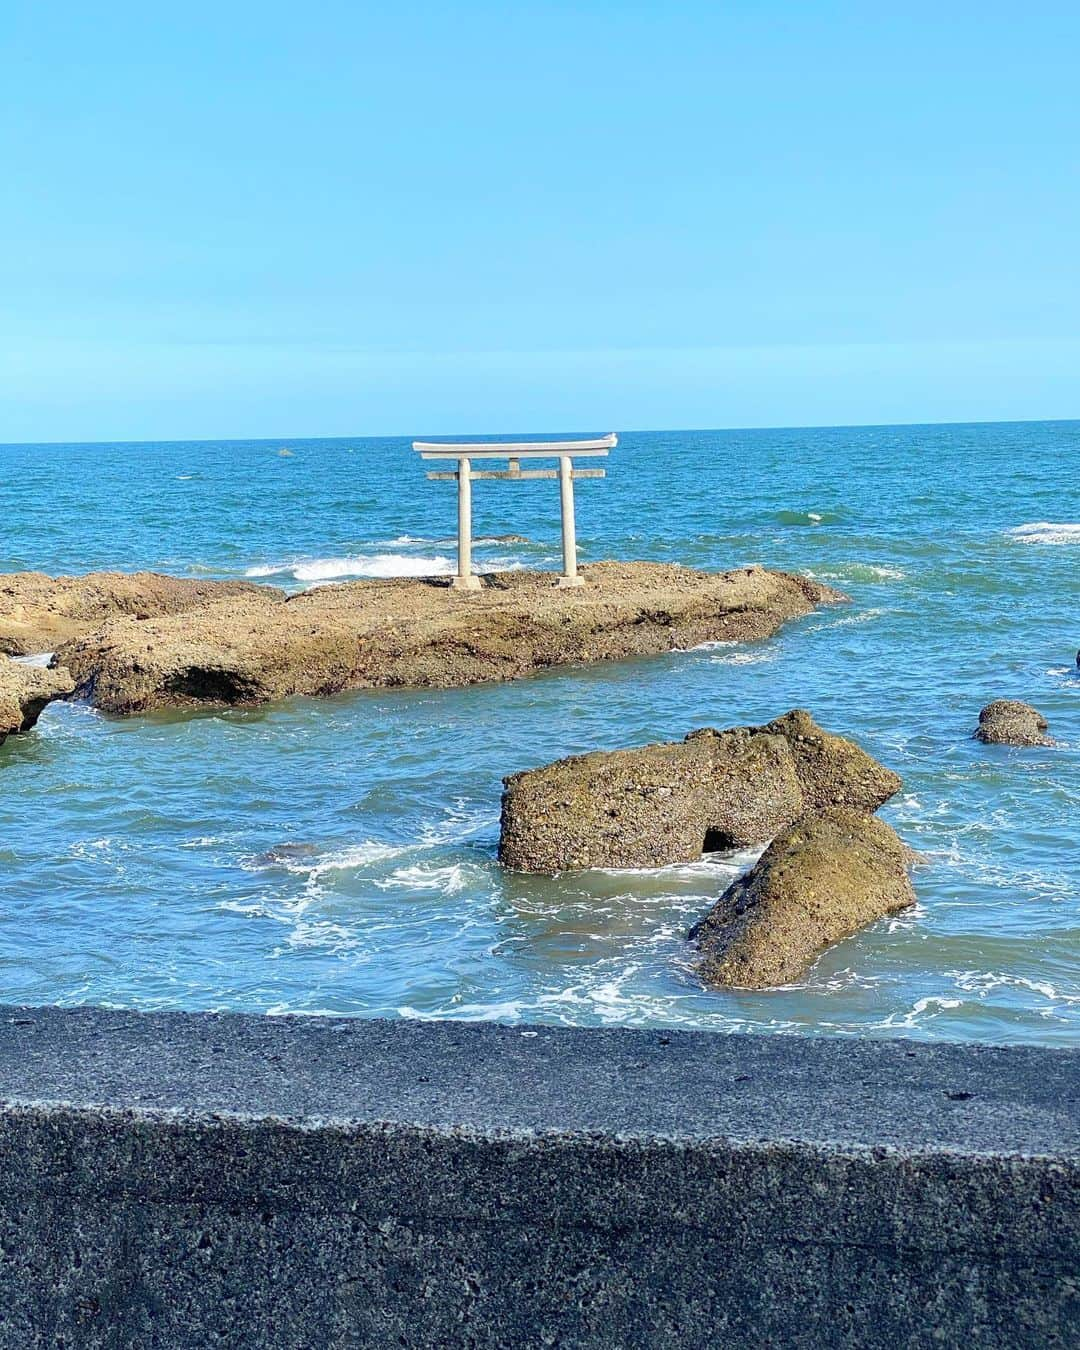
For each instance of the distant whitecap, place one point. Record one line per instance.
(1046, 532)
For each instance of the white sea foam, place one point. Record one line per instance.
(294, 859)
(878, 572)
(461, 820)
(851, 620)
(449, 880)
(858, 571)
(386, 565)
(713, 646)
(1046, 532)
(921, 1010)
(982, 983)
(744, 658)
(357, 565)
(707, 867)
(39, 659)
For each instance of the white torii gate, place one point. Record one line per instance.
(515, 452)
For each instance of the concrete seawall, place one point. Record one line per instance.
(199, 1180)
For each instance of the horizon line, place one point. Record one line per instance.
(635, 431)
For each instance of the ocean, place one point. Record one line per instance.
(338, 855)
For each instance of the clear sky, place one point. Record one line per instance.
(338, 218)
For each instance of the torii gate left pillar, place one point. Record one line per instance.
(465, 580)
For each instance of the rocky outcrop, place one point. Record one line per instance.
(254, 648)
(38, 612)
(24, 693)
(668, 803)
(1008, 722)
(822, 879)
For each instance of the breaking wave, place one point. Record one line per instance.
(1046, 532)
(357, 565)
(809, 517)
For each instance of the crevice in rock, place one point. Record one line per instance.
(718, 841)
(211, 685)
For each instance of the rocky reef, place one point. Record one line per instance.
(1009, 722)
(257, 646)
(668, 803)
(822, 879)
(25, 691)
(38, 613)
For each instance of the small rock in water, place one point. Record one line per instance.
(1006, 721)
(285, 854)
(822, 879)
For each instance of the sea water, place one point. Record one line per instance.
(338, 855)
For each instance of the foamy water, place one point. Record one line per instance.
(363, 565)
(338, 855)
(404, 556)
(1046, 532)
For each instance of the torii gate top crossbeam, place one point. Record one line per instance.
(515, 451)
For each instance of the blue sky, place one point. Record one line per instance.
(266, 219)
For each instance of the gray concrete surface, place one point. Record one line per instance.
(202, 1180)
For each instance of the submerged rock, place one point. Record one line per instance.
(1009, 722)
(254, 648)
(39, 612)
(671, 802)
(822, 879)
(25, 691)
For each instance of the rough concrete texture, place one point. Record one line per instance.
(25, 692)
(193, 1180)
(420, 633)
(38, 612)
(668, 803)
(822, 879)
(1008, 722)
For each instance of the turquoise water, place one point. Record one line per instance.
(339, 854)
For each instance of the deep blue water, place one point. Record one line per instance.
(338, 855)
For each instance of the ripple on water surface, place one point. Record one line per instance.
(339, 855)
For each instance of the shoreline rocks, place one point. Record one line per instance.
(822, 879)
(1007, 721)
(670, 802)
(38, 613)
(25, 691)
(260, 646)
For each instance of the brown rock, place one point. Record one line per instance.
(1008, 722)
(38, 612)
(913, 858)
(831, 770)
(420, 633)
(822, 879)
(668, 803)
(25, 691)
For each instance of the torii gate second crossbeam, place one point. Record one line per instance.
(515, 452)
